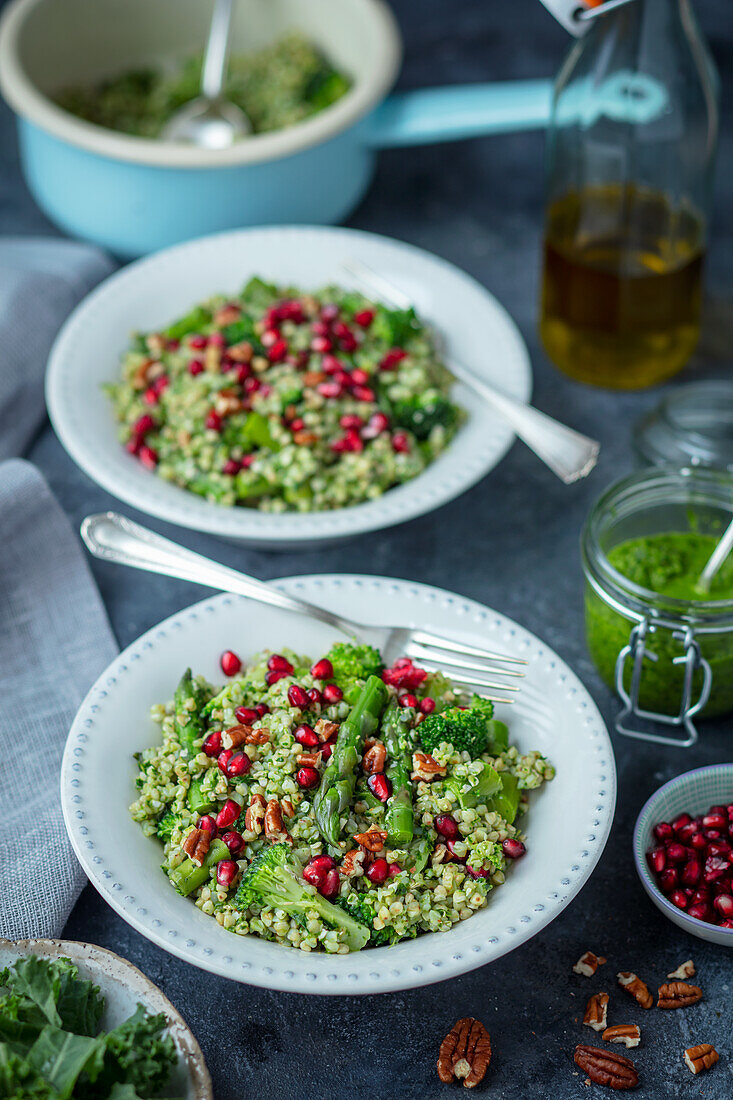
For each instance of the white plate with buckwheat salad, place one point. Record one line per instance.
(160, 449)
(564, 829)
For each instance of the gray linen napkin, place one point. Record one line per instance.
(54, 641)
(41, 280)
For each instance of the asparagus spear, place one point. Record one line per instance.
(188, 876)
(399, 816)
(188, 702)
(336, 791)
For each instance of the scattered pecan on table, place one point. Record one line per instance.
(465, 1053)
(628, 1034)
(633, 984)
(596, 1012)
(678, 995)
(684, 971)
(588, 963)
(698, 1059)
(604, 1067)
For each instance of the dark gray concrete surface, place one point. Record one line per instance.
(512, 543)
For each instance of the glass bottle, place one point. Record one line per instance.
(630, 155)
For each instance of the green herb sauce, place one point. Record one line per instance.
(669, 565)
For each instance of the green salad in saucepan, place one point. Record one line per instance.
(286, 401)
(334, 805)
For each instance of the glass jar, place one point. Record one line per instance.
(691, 426)
(669, 659)
(629, 162)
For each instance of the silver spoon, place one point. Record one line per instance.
(211, 121)
(716, 559)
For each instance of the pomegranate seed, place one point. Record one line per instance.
(715, 868)
(278, 663)
(197, 342)
(350, 420)
(331, 365)
(212, 743)
(143, 424)
(699, 911)
(330, 312)
(213, 421)
(512, 848)
(251, 385)
(378, 871)
(363, 393)
(161, 384)
(380, 786)
(724, 904)
(407, 700)
(378, 423)
(195, 367)
(312, 875)
(228, 814)
(451, 846)
(715, 821)
(427, 705)
(329, 888)
(713, 834)
(269, 337)
(657, 860)
(320, 328)
(246, 715)
(348, 343)
(226, 872)
(230, 467)
(173, 345)
(676, 852)
(446, 825)
(663, 831)
(699, 841)
(307, 778)
(247, 461)
(307, 736)
(327, 748)
(134, 444)
(321, 344)
(262, 709)
(239, 764)
(679, 898)
(400, 443)
(394, 869)
(392, 358)
(230, 663)
(207, 822)
(224, 758)
(150, 397)
(687, 831)
(322, 670)
(217, 340)
(476, 873)
(323, 863)
(148, 456)
(330, 389)
(725, 924)
(297, 425)
(332, 693)
(273, 677)
(691, 872)
(719, 848)
(278, 351)
(315, 697)
(298, 697)
(668, 879)
(360, 377)
(364, 318)
(680, 820)
(233, 840)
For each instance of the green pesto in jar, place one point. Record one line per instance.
(669, 565)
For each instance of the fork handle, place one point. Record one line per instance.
(115, 538)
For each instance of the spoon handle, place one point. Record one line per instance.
(217, 50)
(718, 556)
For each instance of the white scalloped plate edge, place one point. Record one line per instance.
(79, 363)
(176, 926)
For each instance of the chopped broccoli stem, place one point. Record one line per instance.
(273, 879)
(336, 791)
(506, 801)
(399, 818)
(188, 876)
(199, 801)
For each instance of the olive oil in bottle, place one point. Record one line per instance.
(621, 287)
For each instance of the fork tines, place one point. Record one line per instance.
(440, 654)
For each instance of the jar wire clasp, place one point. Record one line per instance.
(692, 659)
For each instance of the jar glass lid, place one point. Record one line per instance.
(691, 426)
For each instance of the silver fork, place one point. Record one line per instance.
(566, 452)
(116, 538)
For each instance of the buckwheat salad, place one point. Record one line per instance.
(286, 401)
(336, 805)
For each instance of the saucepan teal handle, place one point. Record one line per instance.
(448, 114)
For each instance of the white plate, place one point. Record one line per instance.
(567, 825)
(124, 987)
(154, 291)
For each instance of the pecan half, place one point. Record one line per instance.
(596, 1012)
(628, 1034)
(605, 1067)
(426, 768)
(255, 815)
(260, 363)
(313, 377)
(678, 995)
(145, 373)
(196, 845)
(241, 353)
(288, 807)
(259, 737)
(700, 1058)
(588, 963)
(374, 758)
(352, 864)
(636, 987)
(309, 759)
(373, 839)
(212, 358)
(465, 1053)
(683, 972)
(305, 438)
(226, 403)
(244, 735)
(227, 314)
(275, 830)
(325, 729)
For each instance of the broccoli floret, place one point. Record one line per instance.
(423, 412)
(361, 911)
(273, 879)
(466, 730)
(166, 824)
(354, 662)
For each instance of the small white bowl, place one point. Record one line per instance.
(152, 292)
(694, 793)
(124, 987)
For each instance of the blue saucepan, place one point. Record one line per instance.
(135, 195)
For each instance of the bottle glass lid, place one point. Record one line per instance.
(691, 426)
